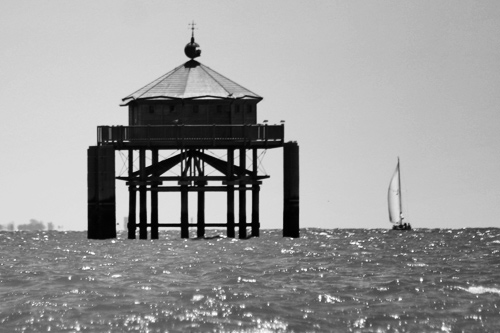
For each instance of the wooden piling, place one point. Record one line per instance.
(255, 196)
(131, 226)
(101, 192)
(201, 210)
(143, 209)
(242, 195)
(291, 190)
(184, 212)
(154, 198)
(230, 194)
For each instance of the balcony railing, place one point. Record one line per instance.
(185, 134)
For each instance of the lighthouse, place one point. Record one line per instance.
(193, 115)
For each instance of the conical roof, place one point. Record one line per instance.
(191, 80)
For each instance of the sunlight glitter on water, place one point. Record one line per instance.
(345, 280)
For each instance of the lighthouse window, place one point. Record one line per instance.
(195, 108)
(151, 109)
(219, 108)
(135, 115)
(249, 108)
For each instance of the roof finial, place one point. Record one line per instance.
(192, 50)
(192, 31)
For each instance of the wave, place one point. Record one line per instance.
(481, 290)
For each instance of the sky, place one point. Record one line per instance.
(358, 83)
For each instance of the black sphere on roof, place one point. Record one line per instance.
(192, 50)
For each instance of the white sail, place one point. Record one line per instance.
(394, 198)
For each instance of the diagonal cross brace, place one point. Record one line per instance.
(165, 165)
(219, 164)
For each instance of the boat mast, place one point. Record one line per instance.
(400, 195)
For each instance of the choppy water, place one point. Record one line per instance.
(337, 280)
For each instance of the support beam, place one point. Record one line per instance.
(291, 190)
(198, 189)
(177, 225)
(255, 211)
(154, 197)
(201, 211)
(143, 213)
(200, 170)
(101, 192)
(185, 166)
(255, 196)
(242, 195)
(230, 194)
(132, 204)
(184, 212)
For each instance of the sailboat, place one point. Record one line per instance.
(395, 202)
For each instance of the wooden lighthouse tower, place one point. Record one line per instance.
(187, 114)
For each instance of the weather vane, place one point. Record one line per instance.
(192, 28)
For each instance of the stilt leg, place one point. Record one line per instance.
(201, 212)
(230, 194)
(131, 226)
(154, 199)
(291, 190)
(255, 211)
(242, 195)
(255, 197)
(101, 192)
(143, 215)
(131, 212)
(184, 212)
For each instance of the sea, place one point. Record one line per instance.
(328, 280)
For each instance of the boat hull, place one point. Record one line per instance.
(401, 227)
